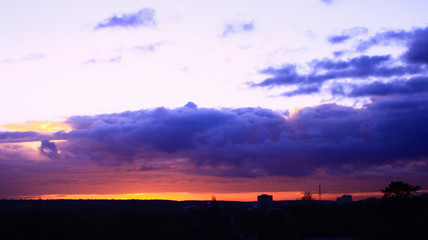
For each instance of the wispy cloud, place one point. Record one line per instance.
(144, 48)
(327, 1)
(28, 57)
(144, 17)
(115, 59)
(347, 35)
(385, 38)
(238, 26)
(32, 56)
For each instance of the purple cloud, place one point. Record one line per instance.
(371, 72)
(252, 142)
(358, 68)
(245, 142)
(415, 85)
(11, 137)
(144, 17)
(49, 149)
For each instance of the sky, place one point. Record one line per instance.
(187, 99)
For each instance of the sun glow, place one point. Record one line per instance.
(37, 126)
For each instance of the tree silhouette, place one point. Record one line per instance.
(399, 190)
(214, 203)
(307, 196)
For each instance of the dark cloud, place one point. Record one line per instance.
(358, 68)
(252, 142)
(403, 87)
(249, 142)
(48, 148)
(29, 136)
(144, 17)
(418, 50)
(238, 27)
(370, 75)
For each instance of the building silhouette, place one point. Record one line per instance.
(344, 199)
(264, 201)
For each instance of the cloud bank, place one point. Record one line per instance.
(252, 142)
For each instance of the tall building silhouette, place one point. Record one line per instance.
(264, 201)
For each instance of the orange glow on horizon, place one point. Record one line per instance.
(176, 196)
(37, 126)
(185, 196)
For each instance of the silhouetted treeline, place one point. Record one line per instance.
(133, 219)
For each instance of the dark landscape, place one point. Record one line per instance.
(163, 219)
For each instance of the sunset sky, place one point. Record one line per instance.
(156, 99)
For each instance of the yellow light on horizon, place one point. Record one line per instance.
(37, 126)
